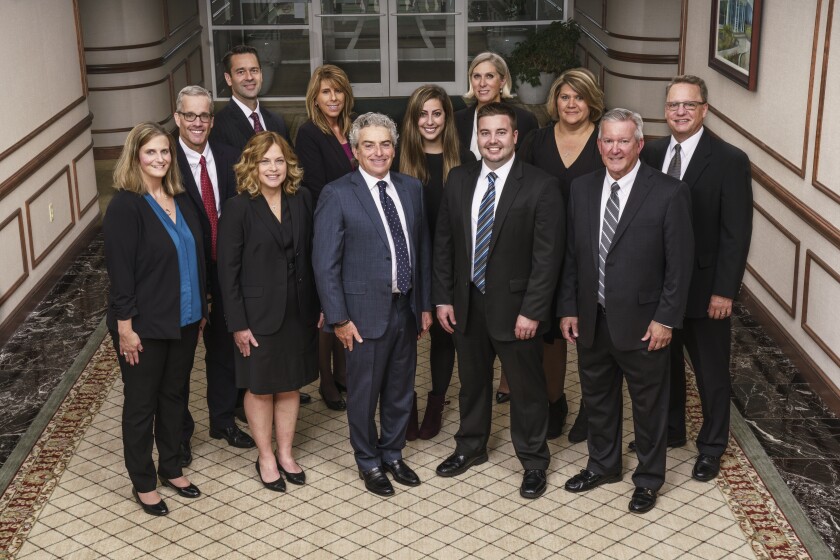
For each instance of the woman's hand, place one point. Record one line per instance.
(130, 345)
(321, 321)
(244, 340)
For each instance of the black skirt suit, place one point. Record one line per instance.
(143, 270)
(265, 273)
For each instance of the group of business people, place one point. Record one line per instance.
(335, 257)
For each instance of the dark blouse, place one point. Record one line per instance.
(433, 190)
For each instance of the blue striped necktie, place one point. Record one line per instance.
(483, 232)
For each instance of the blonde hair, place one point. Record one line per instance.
(583, 82)
(247, 170)
(501, 67)
(412, 157)
(127, 175)
(338, 79)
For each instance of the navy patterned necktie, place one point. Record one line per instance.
(400, 247)
(483, 232)
(607, 233)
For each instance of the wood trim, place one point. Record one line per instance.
(813, 374)
(81, 211)
(36, 260)
(48, 153)
(43, 286)
(41, 128)
(588, 55)
(627, 37)
(131, 86)
(172, 92)
(809, 257)
(128, 129)
(640, 78)
(624, 56)
(17, 214)
(140, 65)
(683, 32)
(822, 226)
(162, 40)
(820, 106)
(107, 152)
(80, 46)
(190, 78)
(790, 308)
(165, 7)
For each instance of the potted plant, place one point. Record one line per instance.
(537, 60)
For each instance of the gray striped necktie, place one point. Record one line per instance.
(675, 167)
(483, 232)
(607, 233)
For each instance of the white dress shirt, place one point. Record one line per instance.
(371, 181)
(481, 188)
(687, 149)
(194, 160)
(625, 185)
(247, 110)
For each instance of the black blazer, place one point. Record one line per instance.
(525, 123)
(526, 248)
(253, 269)
(233, 128)
(142, 265)
(224, 158)
(721, 202)
(649, 264)
(322, 158)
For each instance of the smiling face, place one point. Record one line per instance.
(682, 122)
(619, 147)
(245, 77)
(272, 169)
(432, 120)
(154, 158)
(571, 106)
(487, 83)
(496, 140)
(375, 150)
(330, 100)
(195, 133)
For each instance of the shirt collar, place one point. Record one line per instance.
(371, 181)
(245, 109)
(501, 173)
(687, 147)
(626, 181)
(193, 157)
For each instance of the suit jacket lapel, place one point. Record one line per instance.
(295, 207)
(505, 201)
(264, 212)
(240, 121)
(699, 160)
(595, 218)
(188, 178)
(467, 193)
(362, 192)
(641, 188)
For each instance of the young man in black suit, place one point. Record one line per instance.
(207, 173)
(497, 255)
(243, 116)
(718, 175)
(624, 288)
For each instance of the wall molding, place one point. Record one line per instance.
(81, 211)
(36, 260)
(810, 257)
(162, 40)
(624, 56)
(140, 65)
(606, 31)
(16, 215)
(789, 307)
(41, 128)
(833, 195)
(80, 46)
(130, 86)
(128, 129)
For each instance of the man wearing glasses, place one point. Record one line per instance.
(721, 193)
(207, 173)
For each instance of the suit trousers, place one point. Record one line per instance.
(522, 362)
(153, 408)
(708, 344)
(602, 370)
(382, 370)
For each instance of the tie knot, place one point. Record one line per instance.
(202, 161)
(255, 117)
(382, 185)
(676, 148)
(615, 187)
(491, 178)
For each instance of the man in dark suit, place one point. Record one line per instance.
(624, 288)
(718, 175)
(207, 173)
(243, 116)
(371, 258)
(498, 249)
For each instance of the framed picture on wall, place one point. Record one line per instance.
(734, 40)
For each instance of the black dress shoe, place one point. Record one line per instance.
(234, 437)
(377, 482)
(533, 484)
(298, 478)
(190, 491)
(672, 443)
(277, 485)
(184, 454)
(502, 397)
(402, 473)
(643, 500)
(305, 398)
(333, 405)
(587, 480)
(157, 509)
(457, 464)
(706, 468)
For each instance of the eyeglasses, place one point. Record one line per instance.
(190, 117)
(687, 105)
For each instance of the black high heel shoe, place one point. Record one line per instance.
(189, 491)
(157, 509)
(278, 485)
(294, 478)
(340, 404)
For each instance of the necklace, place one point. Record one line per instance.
(162, 202)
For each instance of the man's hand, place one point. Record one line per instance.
(244, 340)
(347, 335)
(446, 317)
(659, 336)
(719, 307)
(321, 321)
(525, 328)
(425, 323)
(569, 328)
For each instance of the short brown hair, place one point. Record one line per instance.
(247, 170)
(496, 109)
(127, 171)
(583, 82)
(689, 79)
(239, 49)
(339, 80)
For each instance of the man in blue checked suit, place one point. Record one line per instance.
(372, 267)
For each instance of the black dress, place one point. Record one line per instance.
(284, 360)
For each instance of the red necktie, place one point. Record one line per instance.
(209, 200)
(257, 126)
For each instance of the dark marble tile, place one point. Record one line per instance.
(814, 483)
(800, 439)
(782, 400)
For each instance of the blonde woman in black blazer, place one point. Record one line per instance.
(269, 296)
(156, 307)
